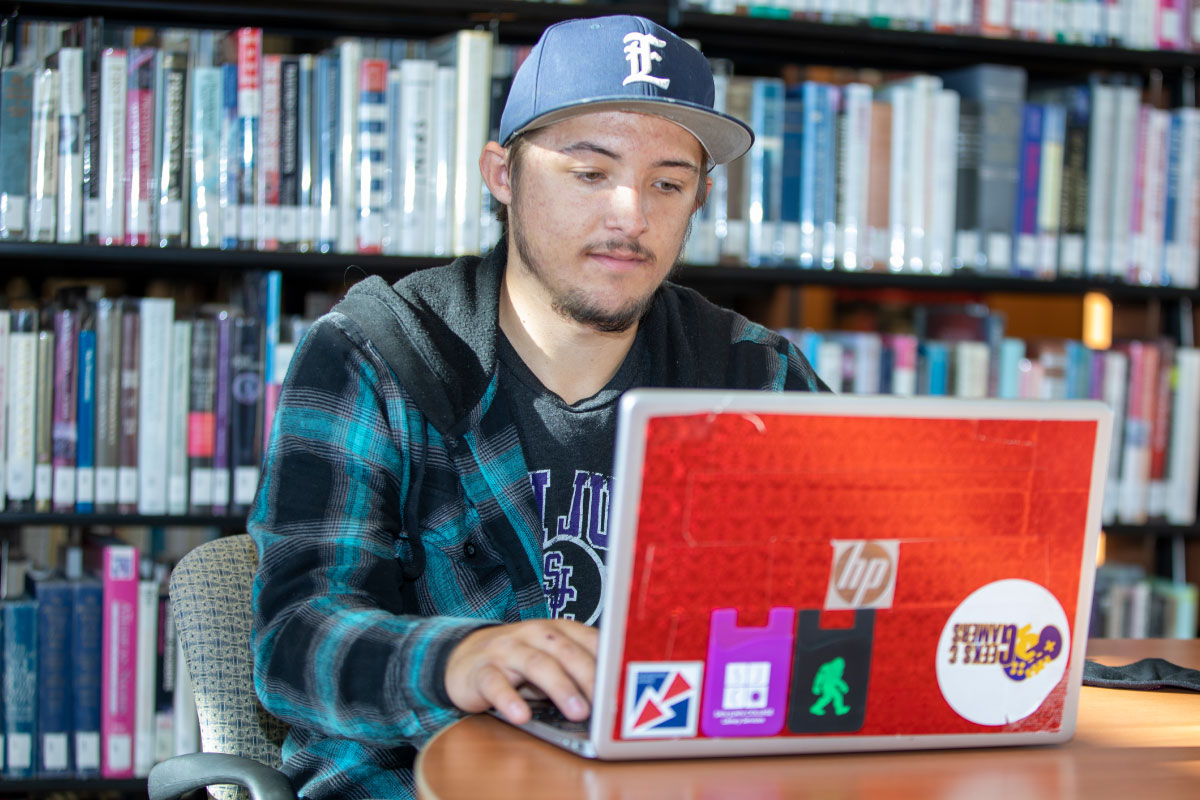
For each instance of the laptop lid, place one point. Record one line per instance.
(795, 572)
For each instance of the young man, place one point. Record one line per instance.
(432, 532)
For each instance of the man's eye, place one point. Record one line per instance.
(589, 177)
(667, 186)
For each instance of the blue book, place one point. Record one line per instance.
(810, 153)
(86, 627)
(1079, 370)
(790, 173)
(1171, 209)
(55, 601)
(85, 447)
(1008, 373)
(20, 655)
(325, 132)
(826, 192)
(766, 160)
(231, 152)
(935, 368)
(16, 117)
(1025, 227)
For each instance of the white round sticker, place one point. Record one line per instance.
(1002, 652)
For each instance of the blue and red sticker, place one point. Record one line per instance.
(662, 699)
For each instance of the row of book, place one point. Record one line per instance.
(971, 169)
(115, 405)
(1152, 387)
(94, 683)
(1135, 24)
(1129, 604)
(120, 135)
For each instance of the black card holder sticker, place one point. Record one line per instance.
(830, 670)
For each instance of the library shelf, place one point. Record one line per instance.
(23, 787)
(10, 519)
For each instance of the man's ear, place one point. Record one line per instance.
(493, 166)
(707, 190)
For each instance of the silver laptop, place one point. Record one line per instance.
(794, 573)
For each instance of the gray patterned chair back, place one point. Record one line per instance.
(210, 601)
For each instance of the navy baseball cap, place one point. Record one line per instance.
(620, 63)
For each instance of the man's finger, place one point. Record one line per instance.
(496, 690)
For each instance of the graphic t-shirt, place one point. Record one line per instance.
(569, 454)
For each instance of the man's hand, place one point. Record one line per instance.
(556, 657)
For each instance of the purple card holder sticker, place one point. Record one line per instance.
(747, 674)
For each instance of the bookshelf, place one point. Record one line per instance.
(756, 46)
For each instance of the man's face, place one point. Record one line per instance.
(600, 209)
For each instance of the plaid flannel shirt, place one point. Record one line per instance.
(339, 652)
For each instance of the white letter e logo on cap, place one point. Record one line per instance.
(641, 59)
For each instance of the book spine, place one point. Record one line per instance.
(65, 429)
(70, 146)
(86, 664)
(373, 137)
(201, 436)
(766, 159)
(1149, 269)
(157, 317)
(187, 727)
(269, 236)
(118, 676)
(246, 409)
(19, 655)
(1049, 204)
(22, 409)
(943, 182)
(272, 375)
(43, 158)
(1184, 257)
(810, 101)
(1101, 166)
(249, 119)
(326, 188)
(856, 175)
(166, 648)
(85, 453)
(92, 36)
(55, 600)
(446, 110)
(177, 436)
(43, 475)
(349, 52)
(108, 403)
(127, 470)
(1123, 186)
(171, 228)
(1075, 190)
(16, 127)
(1115, 394)
(306, 130)
(221, 419)
(5, 378)
(1160, 431)
(291, 153)
(1026, 209)
(230, 158)
(472, 56)
(1183, 471)
(146, 647)
(114, 80)
(139, 142)
(879, 198)
(206, 140)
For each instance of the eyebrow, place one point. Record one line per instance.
(592, 147)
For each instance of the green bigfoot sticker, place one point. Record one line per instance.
(829, 687)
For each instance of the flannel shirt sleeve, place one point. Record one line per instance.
(333, 651)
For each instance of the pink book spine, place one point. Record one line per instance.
(65, 435)
(139, 144)
(272, 89)
(1136, 239)
(118, 680)
(1172, 18)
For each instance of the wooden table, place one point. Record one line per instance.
(1132, 745)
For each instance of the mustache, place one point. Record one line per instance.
(623, 246)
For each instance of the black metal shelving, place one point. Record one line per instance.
(224, 521)
(128, 788)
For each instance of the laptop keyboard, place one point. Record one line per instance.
(546, 712)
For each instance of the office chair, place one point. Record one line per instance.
(210, 602)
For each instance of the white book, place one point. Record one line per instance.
(417, 117)
(177, 434)
(205, 136)
(5, 318)
(970, 369)
(70, 145)
(899, 211)
(830, 354)
(108, 359)
(868, 347)
(855, 174)
(146, 671)
(114, 69)
(943, 185)
(1114, 394)
(1187, 202)
(1123, 154)
(445, 125)
(267, 213)
(349, 53)
(374, 131)
(1148, 253)
(154, 400)
(920, 161)
(43, 159)
(187, 725)
(1049, 208)
(1099, 173)
(21, 380)
(471, 53)
(393, 219)
(1183, 452)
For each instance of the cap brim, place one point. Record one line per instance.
(723, 137)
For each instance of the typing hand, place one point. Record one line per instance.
(492, 667)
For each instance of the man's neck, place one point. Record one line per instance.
(572, 360)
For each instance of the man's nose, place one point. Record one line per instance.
(626, 213)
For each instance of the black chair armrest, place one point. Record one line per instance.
(177, 776)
